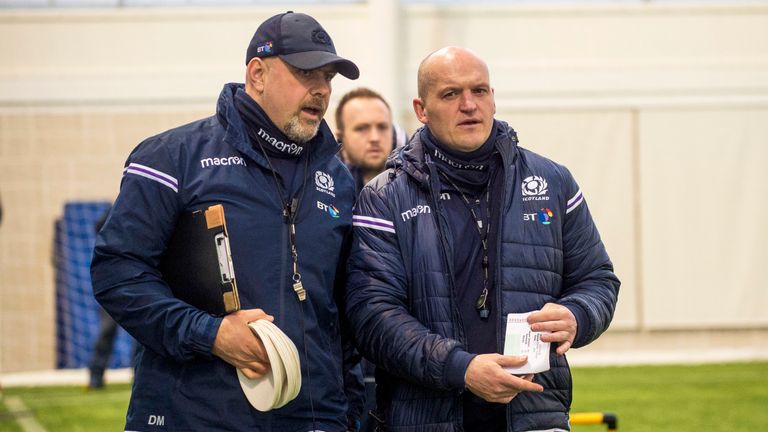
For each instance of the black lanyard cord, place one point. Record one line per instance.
(290, 212)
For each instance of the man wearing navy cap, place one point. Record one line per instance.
(270, 159)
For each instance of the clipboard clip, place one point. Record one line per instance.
(226, 269)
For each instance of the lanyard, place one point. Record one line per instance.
(290, 211)
(481, 304)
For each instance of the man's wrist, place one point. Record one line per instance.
(582, 321)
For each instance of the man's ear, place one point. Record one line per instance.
(493, 95)
(255, 73)
(420, 110)
(339, 136)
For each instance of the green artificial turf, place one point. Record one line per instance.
(7, 423)
(71, 408)
(693, 398)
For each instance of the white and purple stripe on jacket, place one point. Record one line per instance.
(574, 202)
(373, 223)
(152, 174)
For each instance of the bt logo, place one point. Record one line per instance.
(330, 209)
(544, 216)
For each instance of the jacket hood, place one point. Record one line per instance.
(412, 158)
(321, 148)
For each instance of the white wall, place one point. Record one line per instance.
(659, 111)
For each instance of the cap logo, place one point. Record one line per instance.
(265, 48)
(321, 37)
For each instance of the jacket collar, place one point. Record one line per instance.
(413, 159)
(322, 147)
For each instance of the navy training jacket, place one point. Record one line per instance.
(179, 385)
(401, 298)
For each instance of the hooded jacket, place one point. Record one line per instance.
(401, 297)
(179, 385)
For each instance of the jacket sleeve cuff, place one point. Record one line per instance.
(582, 324)
(456, 368)
(205, 331)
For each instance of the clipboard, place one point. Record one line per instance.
(197, 264)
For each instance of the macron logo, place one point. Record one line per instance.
(217, 161)
(419, 209)
(290, 148)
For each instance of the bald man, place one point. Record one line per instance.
(463, 229)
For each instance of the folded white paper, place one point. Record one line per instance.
(520, 340)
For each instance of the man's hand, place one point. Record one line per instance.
(559, 321)
(486, 378)
(237, 345)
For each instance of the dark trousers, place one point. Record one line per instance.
(482, 416)
(368, 423)
(102, 351)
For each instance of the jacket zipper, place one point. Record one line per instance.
(500, 236)
(506, 165)
(448, 249)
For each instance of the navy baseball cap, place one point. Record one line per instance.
(299, 40)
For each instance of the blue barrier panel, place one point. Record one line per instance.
(77, 312)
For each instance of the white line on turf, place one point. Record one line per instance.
(19, 411)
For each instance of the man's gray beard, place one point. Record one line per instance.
(294, 130)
